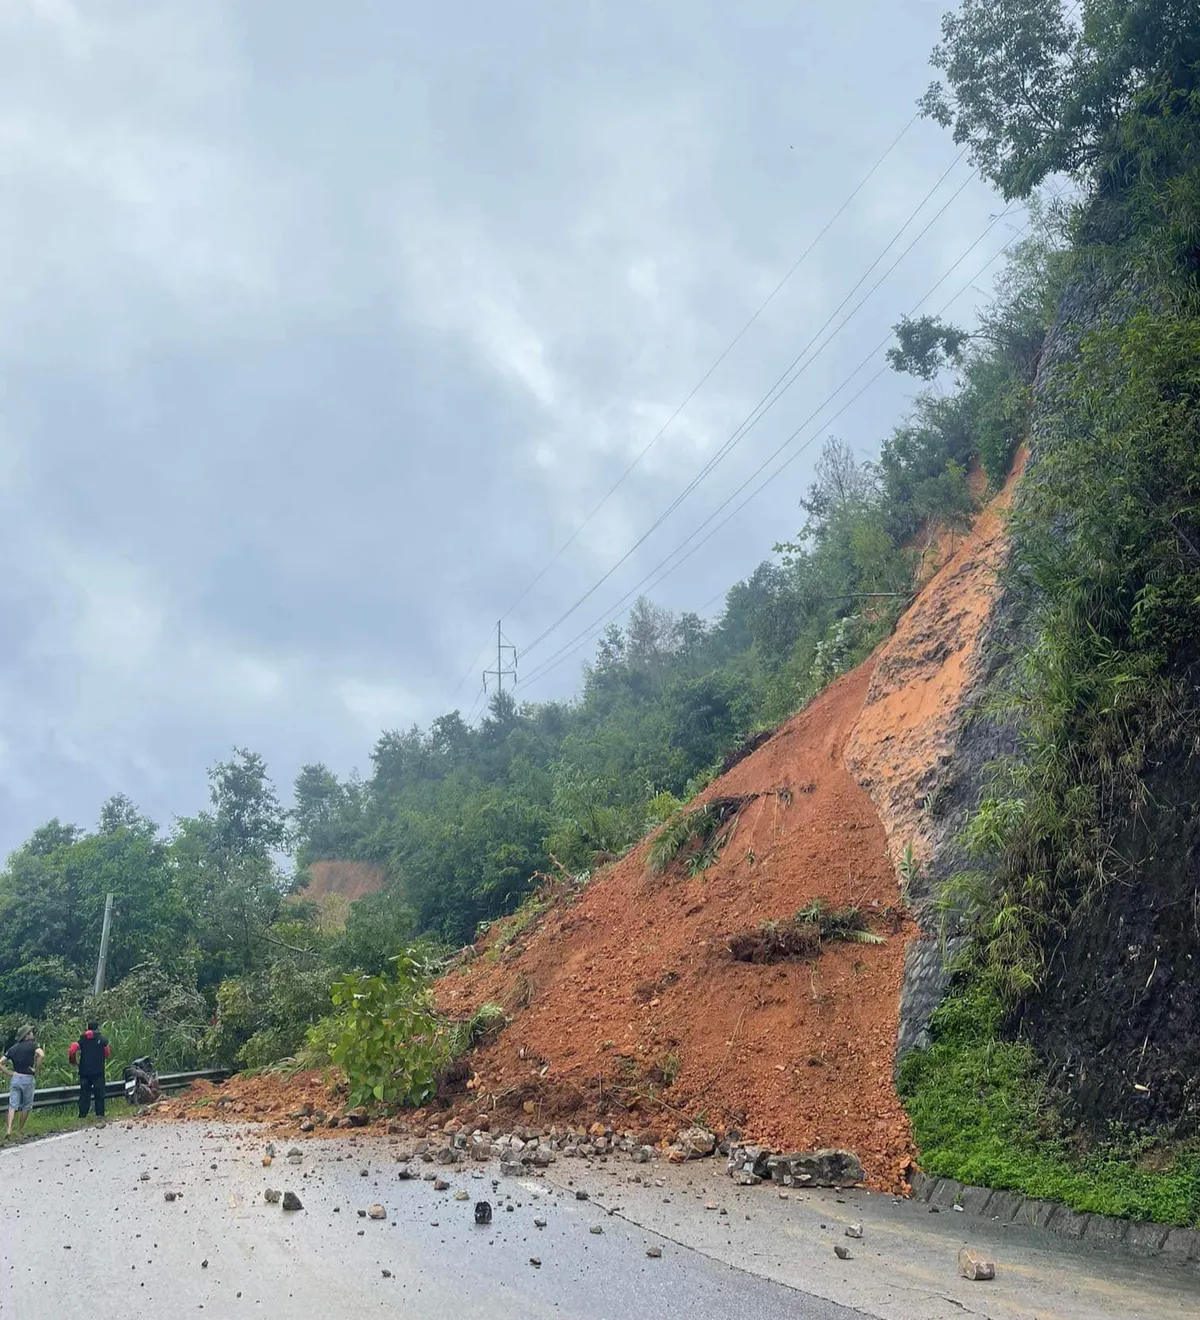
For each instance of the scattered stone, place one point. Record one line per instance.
(440, 1185)
(695, 1143)
(596, 1228)
(307, 1125)
(483, 1212)
(536, 1262)
(358, 1117)
(710, 1205)
(581, 1196)
(511, 1168)
(975, 1265)
(854, 1230)
(404, 1173)
(143, 1177)
(291, 1201)
(539, 1223)
(272, 1196)
(462, 1195)
(387, 1274)
(842, 1253)
(655, 1253)
(362, 1214)
(267, 1161)
(376, 1212)
(204, 1264)
(363, 1173)
(169, 1196)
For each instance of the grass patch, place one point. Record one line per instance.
(63, 1118)
(982, 1113)
(803, 935)
(485, 1024)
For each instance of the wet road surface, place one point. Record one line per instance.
(83, 1235)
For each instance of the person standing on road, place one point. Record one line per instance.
(90, 1052)
(20, 1063)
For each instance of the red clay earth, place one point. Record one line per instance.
(633, 981)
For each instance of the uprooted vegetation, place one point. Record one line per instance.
(697, 835)
(803, 935)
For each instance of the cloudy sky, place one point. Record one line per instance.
(322, 328)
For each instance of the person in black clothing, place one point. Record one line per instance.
(20, 1062)
(89, 1052)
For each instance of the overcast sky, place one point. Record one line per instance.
(323, 327)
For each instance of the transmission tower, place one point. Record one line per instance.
(501, 672)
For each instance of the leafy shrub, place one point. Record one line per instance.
(385, 1034)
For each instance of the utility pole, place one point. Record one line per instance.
(102, 961)
(500, 673)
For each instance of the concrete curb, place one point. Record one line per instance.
(1179, 1246)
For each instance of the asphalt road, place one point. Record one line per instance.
(82, 1234)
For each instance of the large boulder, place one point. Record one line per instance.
(816, 1168)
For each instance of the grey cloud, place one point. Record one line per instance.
(324, 326)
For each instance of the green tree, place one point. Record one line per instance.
(1033, 92)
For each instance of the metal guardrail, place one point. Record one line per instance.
(47, 1097)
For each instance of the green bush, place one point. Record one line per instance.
(385, 1034)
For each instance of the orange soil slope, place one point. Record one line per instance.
(333, 886)
(634, 979)
(923, 677)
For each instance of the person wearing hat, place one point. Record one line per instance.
(90, 1052)
(20, 1062)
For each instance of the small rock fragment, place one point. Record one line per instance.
(291, 1201)
(169, 1196)
(272, 1196)
(376, 1212)
(483, 1212)
(462, 1195)
(581, 1196)
(654, 1252)
(387, 1274)
(143, 1177)
(842, 1253)
(536, 1262)
(854, 1230)
(539, 1223)
(975, 1265)
(596, 1228)
(440, 1185)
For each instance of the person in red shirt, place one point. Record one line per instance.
(90, 1052)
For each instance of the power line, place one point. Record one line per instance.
(781, 386)
(467, 673)
(733, 343)
(581, 639)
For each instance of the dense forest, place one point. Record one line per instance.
(217, 954)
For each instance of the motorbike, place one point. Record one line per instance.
(141, 1082)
